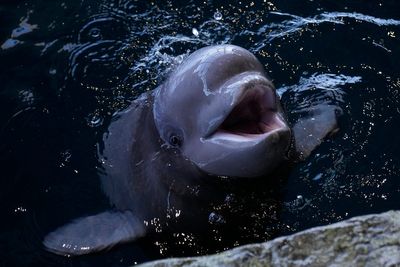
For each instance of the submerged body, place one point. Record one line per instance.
(216, 115)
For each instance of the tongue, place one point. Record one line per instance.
(249, 121)
(255, 114)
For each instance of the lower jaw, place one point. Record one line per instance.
(246, 137)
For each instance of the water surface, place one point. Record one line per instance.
(66, 67)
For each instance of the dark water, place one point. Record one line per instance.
(66, 67)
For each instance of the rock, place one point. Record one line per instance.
(371, 240)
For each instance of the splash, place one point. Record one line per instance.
(298, 24)
(24, 28)
(326, 81)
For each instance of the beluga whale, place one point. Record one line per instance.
(216, 115)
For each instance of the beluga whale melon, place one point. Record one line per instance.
(216, 115)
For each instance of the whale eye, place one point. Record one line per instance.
(175, 140)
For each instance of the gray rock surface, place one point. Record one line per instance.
(371, 240)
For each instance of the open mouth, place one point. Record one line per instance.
(255, 113)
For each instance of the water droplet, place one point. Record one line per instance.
(10, 43)
(177, 213)
(27, 97)
(94, 120)
(66, 155)
(20, 209)
(317, 177)
(195, 32)
(229, 199)
(299, 202)
(217, 15)
(215, 218)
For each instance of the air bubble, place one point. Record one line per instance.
(217, 15)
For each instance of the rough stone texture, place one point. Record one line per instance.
(371, 240)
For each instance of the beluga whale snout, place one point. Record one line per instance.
(217, 114)
(239, 129)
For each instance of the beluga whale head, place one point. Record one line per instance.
(222, 112)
